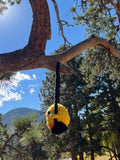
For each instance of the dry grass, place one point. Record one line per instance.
(105, 157)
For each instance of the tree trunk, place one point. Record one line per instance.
(1, 158)
(33, 156)
(74, 157)
(92, 154)
(119, 156)
(81, 156)
(116, 116)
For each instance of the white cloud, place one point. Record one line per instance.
(10, 91)
(1, 104)
(34, 76)
(7, 95)
(22, 92)
(19, 77)
(32, 90)
(33, 87)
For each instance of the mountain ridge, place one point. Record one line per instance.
(22, 111)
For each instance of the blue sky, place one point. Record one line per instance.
(15, 25)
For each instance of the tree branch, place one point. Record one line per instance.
(17, 150)
(9, 139)
(32, 56)
(20, 60)
(113, 151)
(20, 151)
(5, 144)
(82, 46)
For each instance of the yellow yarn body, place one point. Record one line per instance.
(61, 116)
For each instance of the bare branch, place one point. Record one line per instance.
(20, 151)
(110, 149)
(59, 22)
(9, 139)
(116, 8)
(5, 144)
(17, 150)
(66, 23)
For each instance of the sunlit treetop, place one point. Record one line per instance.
(3, 6)
(14, 1)
(99, 17)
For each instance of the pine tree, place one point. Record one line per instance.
(4, 134)
(98, 67)
(101, 19)
(31, 139)
(108, 101)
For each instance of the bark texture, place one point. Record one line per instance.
(33, 55)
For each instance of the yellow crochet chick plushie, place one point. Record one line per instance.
(59, 122)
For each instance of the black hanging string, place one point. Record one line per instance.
(57, 87)
(59, 127)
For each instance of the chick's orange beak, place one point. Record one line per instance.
(51, 126)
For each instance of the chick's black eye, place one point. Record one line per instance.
(48, 112)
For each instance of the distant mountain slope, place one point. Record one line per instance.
(9, 116)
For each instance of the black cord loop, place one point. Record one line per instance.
(57, 87)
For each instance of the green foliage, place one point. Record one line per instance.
(22, 123)
(100, 19)
(108, 99)
(98, 16)
(4, 134)
(30, 138)
(6, 76)
(97, 62)
(93, 119)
